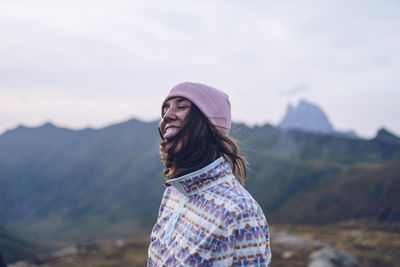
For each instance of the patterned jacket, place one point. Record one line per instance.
(207, 218)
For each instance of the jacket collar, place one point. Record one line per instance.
(195, 182)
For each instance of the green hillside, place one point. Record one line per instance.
(81, 186)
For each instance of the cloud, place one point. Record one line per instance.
(122, 48)
(302, 87)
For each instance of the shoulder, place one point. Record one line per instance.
(236, 200)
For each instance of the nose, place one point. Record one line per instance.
(169, 115)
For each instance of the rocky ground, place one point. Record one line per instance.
(370, 244)
(350, 244)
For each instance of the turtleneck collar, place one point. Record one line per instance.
(195, 182)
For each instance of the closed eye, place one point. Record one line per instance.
(164, 110)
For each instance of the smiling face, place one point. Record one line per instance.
(174, 112)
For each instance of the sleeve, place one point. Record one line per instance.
(247, 243)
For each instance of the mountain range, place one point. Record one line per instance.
(60, 186)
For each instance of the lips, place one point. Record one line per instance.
(170, 132)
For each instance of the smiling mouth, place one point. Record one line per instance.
(170, 132)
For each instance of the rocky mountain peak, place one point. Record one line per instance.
(385, 136)
(306, 116)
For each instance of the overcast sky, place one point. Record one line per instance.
(94, 63)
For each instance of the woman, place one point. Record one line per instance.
(206, 216)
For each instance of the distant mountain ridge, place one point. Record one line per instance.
(86, 185)
(387, 137)
(309, 117)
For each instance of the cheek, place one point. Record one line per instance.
(161, 124)
(185, 114)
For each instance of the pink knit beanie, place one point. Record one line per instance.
(213, 103)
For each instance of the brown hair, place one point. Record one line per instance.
(199, 143)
